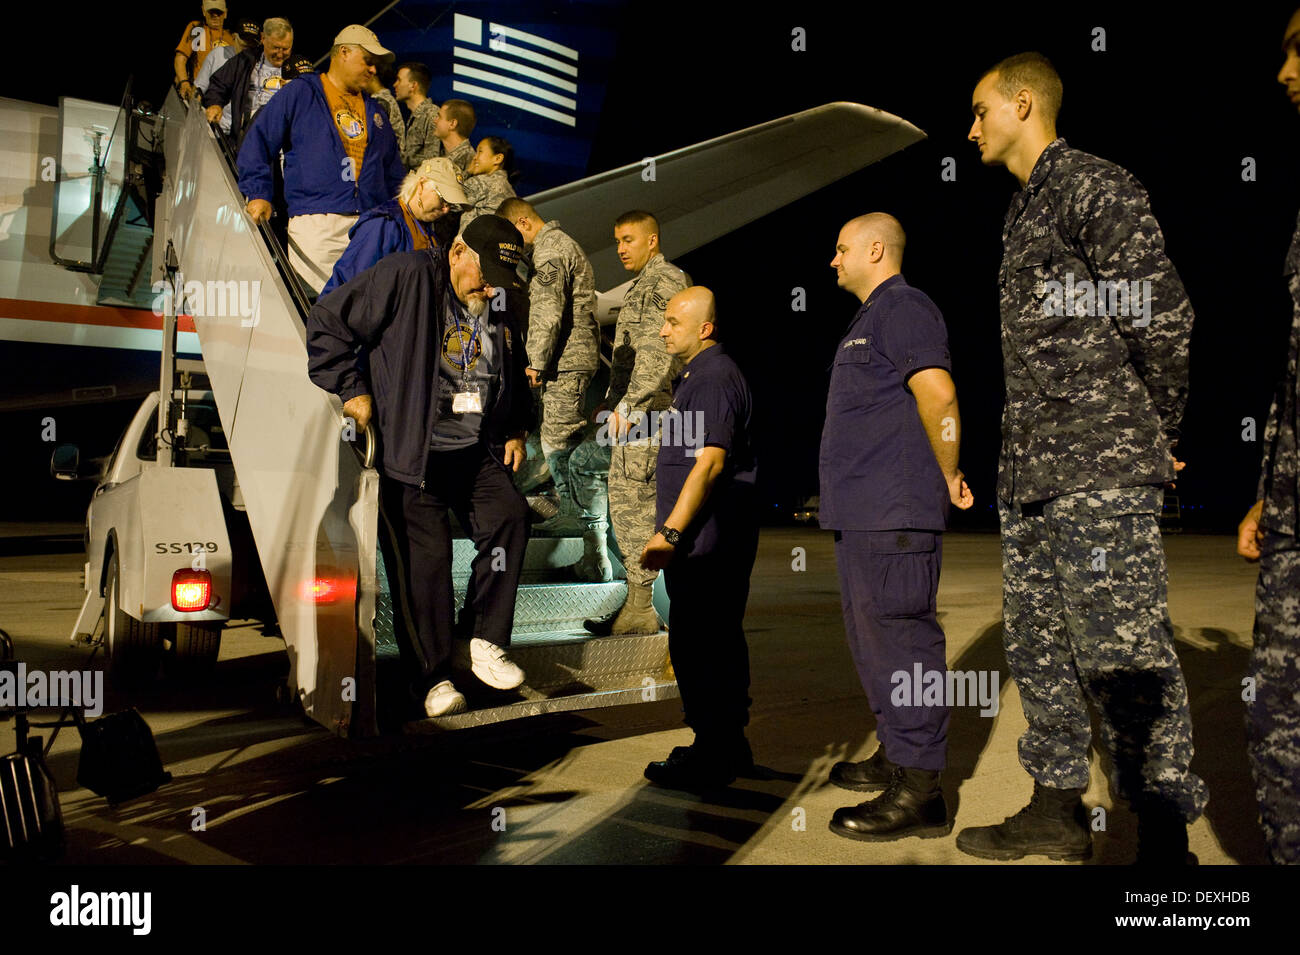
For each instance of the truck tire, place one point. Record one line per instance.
(194, 651)
(134, 647)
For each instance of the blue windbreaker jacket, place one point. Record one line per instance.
(379, 232)
(297, 121)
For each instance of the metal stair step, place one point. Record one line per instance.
(566, 671)
(483, 716)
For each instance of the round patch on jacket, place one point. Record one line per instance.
(456, 342)
(348, 124)
(379, 121)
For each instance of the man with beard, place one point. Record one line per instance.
(445, 384)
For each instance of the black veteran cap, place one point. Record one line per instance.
(500, 248)
(300, 66)
(250, 30)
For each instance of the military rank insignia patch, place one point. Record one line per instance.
(661, 303)
(547, 274)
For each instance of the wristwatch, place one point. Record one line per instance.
(670, 535)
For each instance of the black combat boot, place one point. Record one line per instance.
(703, 766)
(602, 626)
(1162, 834)
(911, 805)
(870, 775)
(1054, 824)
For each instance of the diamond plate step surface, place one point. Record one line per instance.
(566, 671)
(557, 704)
(539, 606)
(544, 560)
(548, 640)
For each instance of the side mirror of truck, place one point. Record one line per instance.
(65, 464)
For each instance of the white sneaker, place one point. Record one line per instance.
(461, 658)
(443, 700)
(491, 665)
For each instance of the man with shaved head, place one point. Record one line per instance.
(888, 473)
(705, 544)
(1095, 331)
(1270, 534)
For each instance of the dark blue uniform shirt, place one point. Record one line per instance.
(712, 405)
(878, 471)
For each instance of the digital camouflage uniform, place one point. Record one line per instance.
(564, 345)
(1092, 409)
(461, 155)
(420, 143)
(640, 378)
(1273, 717)
(485, 193)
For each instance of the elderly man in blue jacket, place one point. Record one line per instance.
(451, 403)
(340, 155)
(403, 224)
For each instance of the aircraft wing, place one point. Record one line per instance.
(704, 191)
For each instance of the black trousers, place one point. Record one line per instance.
(706, 637)
(481, 492)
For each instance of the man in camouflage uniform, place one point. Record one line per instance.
(419, 141)
(1269, 534)
(563, 355)
(1096, 382)
(454, 125)
(640, 379)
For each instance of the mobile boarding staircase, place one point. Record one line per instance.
(311, 496)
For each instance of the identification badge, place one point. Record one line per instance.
(466, 402)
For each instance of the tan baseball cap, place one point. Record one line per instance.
(446, 178)
(357, 35)
(214, 5)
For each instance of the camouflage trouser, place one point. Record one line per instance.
(563, 402)
(589, 481)
(1085, 620)
(1273, 717)
(632, 505)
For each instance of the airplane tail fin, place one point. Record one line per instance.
(536, 75)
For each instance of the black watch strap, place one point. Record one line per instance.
(670, 535)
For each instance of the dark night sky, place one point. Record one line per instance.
(1178, 100)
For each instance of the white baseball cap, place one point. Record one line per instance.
(357, 35)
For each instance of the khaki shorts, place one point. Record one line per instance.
(316, 242)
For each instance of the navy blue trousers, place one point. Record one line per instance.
(706, 637)
(888, 582)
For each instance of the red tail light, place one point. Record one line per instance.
(321, 590)
(330, 585)
(191, 589)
